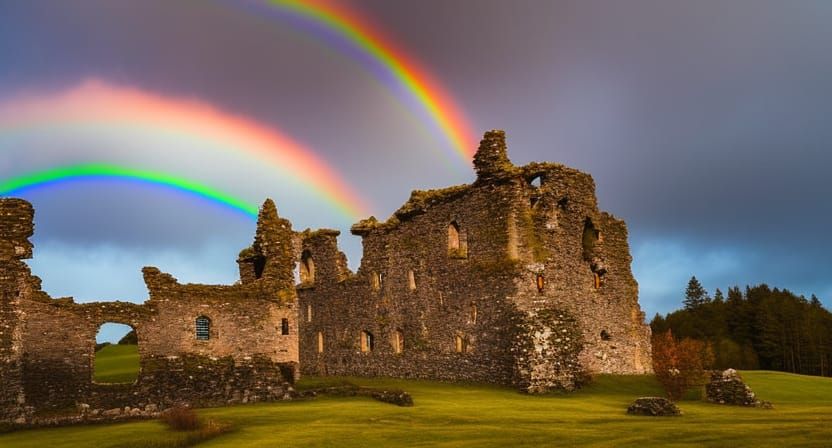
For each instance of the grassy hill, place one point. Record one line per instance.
(117, 364)
(453, 415)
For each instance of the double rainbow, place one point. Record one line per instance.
(22, 183)
(400, 72)
(103, 106)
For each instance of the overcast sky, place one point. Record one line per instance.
(704, 123)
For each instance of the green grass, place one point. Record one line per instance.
(453, 415)
(117, 364)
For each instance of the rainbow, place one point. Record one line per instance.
(100, 106)
(395, 66)
(19, 184)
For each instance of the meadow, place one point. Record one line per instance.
(473, 415)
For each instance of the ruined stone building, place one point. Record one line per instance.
(516, 279)
(198, 344)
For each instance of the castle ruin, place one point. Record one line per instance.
(517, 279)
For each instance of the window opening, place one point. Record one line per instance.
(203, 328)
(367, 342)
(307, 268)
(116, 359)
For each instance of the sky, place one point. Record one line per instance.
(704, 125)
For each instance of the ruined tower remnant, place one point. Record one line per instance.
(516, 279)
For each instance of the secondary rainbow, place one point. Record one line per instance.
(101, 106)
(24, 182)
(403, 70)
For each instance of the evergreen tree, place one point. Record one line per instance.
(695, 295)
(718, 297)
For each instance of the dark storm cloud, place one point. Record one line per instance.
(705, 124)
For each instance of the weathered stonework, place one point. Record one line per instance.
(47, 346)
(516, 279)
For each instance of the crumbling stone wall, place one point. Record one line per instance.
(515, 279)
(48, 351)
(15, 230)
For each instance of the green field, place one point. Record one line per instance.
(453, 415)
(117, 364)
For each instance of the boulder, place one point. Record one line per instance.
(727, 387)
(654, 407)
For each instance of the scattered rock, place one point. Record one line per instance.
(397, 397)
(727, 387)
(654, 407)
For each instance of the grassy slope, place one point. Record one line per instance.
(464, 416)
(117, 364)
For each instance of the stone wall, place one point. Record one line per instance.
(48, 345)
(515, 279)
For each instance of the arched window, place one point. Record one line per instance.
(605, 336)
(453, 236)
(375, 281)
(284, 327)
(460, 345)
(367, 342)
(320, 342)
(307, 268)
(398, 341)
(411, 280)
(203, 328)
(536, 181)
(540, 282)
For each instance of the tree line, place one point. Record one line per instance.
(758, 328)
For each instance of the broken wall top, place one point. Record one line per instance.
(16, 226)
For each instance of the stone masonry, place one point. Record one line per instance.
(47, 346)
(517, 279)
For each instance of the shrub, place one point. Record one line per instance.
(681, 365)
(181, 418)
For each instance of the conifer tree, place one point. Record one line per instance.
(695, 295)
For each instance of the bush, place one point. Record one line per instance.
(680, 366)
(181, 418)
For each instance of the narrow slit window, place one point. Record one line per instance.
(597, 280)
(367, 342)
(284, 327)
(309, 313)
(398, 341)
(411, 280)
(473, 313)
(459, 344)
(540, 282)
(203, 328)
(320, 342)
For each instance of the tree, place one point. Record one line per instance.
(129, 339)
(695, 295)
(679, 366)
(718, 297)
